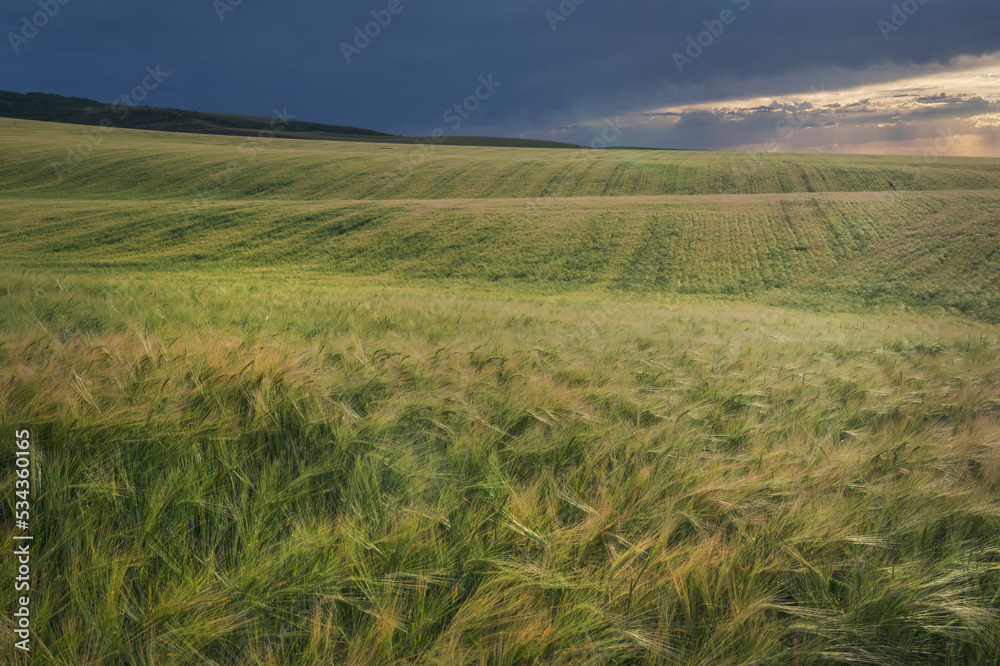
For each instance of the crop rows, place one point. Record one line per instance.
(875, 246)
(133, 165)
(296, 405)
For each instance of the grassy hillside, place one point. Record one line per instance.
(302, 405)
(59, 161)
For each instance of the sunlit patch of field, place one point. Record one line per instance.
(929, 250)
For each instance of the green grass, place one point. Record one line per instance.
(296, 428)
(924, 250)
(142, 166)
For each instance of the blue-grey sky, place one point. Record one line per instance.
(809, 75)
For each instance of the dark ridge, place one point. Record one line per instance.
(81, 111)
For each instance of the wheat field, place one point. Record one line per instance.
(516, 407)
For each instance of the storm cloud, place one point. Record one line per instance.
(566, 66)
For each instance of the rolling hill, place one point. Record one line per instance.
(64, 160)
(344, 402)
(871, 231)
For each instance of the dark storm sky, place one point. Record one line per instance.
(564, 69)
